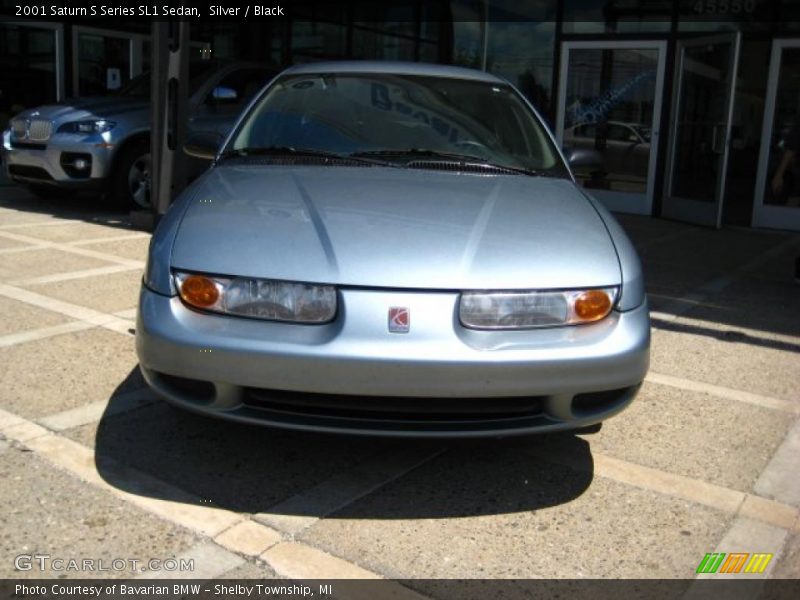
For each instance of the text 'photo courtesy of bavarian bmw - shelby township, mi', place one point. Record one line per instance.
(400, 299)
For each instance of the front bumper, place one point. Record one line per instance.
(354, 374)
(48, 164)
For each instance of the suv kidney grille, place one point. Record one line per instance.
(40, 130)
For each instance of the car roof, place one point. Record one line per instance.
(393, 68)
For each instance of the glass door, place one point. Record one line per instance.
(610, 102)
(777, 202)
(705, 76)
(104, 63)
(31, 67)
(104, 60)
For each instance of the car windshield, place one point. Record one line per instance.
(400, 118)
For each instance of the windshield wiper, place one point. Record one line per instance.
(465, 159)
(292, 151)
(279, 151)
(419, 152)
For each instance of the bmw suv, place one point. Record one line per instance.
(102, 144)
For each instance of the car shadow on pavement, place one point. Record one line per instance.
(725, 335)
(89, 208)
(253, 469)
(730, 277)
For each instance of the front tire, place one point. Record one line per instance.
(130, 187)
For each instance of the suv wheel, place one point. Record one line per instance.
(131, 183)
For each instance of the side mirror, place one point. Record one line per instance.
(583, 158)
(203, 145)
(224, 94)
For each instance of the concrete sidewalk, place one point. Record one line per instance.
(704, 461)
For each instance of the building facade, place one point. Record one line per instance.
(688, 101)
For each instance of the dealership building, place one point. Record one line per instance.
(688, 101)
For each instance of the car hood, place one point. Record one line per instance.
(85, 108)
(400, 228)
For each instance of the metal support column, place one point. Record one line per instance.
(169, 99)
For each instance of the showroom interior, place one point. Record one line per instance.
(689, 104)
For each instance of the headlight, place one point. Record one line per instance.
(97, 126)
(525, 310)
(259, 298)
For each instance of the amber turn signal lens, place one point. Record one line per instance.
(199, 291)
(592, 305)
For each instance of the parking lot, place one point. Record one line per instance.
(93, 465)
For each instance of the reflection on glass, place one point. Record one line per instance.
(610, 101)
(397, 117)
(313, 40)
(783, 184)
(27, 69)
(609, 16)
(467, 28)
(380, 46)
(522, 52)
(745, 142)
(700, 136)
(103, 64)
(373, 33)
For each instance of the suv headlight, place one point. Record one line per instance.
(526, 310)
(258, 298)
(95, 126)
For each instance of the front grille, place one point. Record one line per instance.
(40, 130)
(391, 408)
(19, 127)
(29, 172)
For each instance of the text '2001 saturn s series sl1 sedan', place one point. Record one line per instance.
(392, 249)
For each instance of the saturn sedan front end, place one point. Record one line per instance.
(393, 249)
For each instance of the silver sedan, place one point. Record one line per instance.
(392, 249)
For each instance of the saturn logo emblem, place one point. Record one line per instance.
(399, 319)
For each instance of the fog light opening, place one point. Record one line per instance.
(598, 403)
(191, 390)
